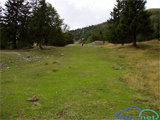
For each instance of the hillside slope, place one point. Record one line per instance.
(88, 31)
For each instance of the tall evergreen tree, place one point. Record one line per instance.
(114, 35)
(157, 31)
(54, 28)
(15, 15)
(134, 20)
(40, 22)
(1, 16)
(45, 26)
(24, 24)
(2, 42)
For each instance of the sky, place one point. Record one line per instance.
(83, 13)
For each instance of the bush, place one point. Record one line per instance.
(69, 38)
(94, 37)
(89, 40)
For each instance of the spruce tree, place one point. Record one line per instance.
(157, 31)
(114, 35)
(24, 22)
(55, 35)
(40, 21)
(45, 26)
(134, 20)
(15, 15)
(2, 41)
(1, 16)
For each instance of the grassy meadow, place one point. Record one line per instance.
(75, 82)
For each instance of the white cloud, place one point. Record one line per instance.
(81, 13)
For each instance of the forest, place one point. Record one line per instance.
(24, 24)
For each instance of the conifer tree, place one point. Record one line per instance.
(134, 20)
(114, 35)
(2, 41)
(39, 22)
(15, 15)
(45, 26)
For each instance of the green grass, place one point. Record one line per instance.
(87, 82)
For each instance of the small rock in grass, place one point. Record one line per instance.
(33, 99)
(62, 54)
(28, 56)
(1, 64)
(10, 61)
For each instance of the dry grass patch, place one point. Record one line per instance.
(144, 77)
(142, 69)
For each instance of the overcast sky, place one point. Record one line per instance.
(82, 13)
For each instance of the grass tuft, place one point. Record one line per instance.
(55, 70)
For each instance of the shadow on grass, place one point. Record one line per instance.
(149, 45)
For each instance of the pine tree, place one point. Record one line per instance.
(157, 31)
(15, 13)
(55, 36)
(25, 19)
(45, 26)
(40, 21)
(1, 16)
(134, 20)
(113, 34)
(2, 41)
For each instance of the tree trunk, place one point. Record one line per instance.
(134, 40)
(122, 42)
(14, 42)
(40, 44)
(32, 43)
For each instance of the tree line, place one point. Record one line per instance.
(25, 23)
